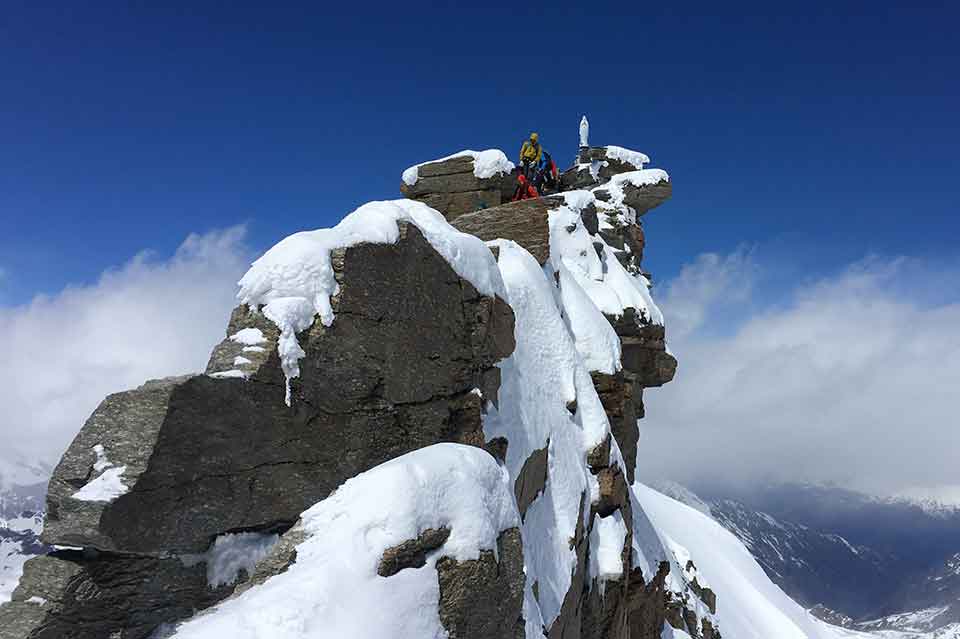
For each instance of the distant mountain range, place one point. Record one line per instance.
(21, 520)
(889, 566)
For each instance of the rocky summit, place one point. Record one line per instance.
(422, 422)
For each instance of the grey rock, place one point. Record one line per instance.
(93, 596)
(127, 425)
(461, 164)
(224, 355)
(532, 478)
(644, 198)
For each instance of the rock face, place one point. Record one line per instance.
(415, 360)
(524, 222)
(206, 455)
(71, 594)
(395, 374)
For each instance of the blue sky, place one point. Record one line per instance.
(816, 133)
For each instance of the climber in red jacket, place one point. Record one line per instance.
(525, 190)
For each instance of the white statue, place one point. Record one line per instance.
(584, 131)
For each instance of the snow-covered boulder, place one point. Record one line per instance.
(425, 545)
(463, 182)
(353, 346)
(168, 467)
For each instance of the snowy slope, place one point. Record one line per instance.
(21, 521)
(333, 589)
(750, 606)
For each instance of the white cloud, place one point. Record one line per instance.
(151, 318)
(853, 380)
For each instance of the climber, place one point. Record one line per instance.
(548, 176)
(530, 154)
(525, 190)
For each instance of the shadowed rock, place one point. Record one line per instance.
(525, 222)
(204, 456)
(92, 596)
(532, 478)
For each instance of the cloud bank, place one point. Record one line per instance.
(150, 318)
(852, 379)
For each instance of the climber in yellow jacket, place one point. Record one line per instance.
(530, 154)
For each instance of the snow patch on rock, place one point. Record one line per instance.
(106, 486)
(486, 164)
(607, 539)
(627, 156)
(249, 337)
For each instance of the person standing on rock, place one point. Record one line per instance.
(530, 154)
(548, 176)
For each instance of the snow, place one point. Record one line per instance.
(610, 287)
(681, 493)
(106, 486)
(486, 164)
(669, 632)
(294, 280)
(12, 558)
(240, 360)
(634, 158)
(253, 349)
(607, 539)
(639, 179)
(101, 463)
(37, 600)
(537, 383)
(292, 315)
(544, 374)
(249, 337)
(234, 553)
(750, 606)
(333, 589)
(234, 372)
